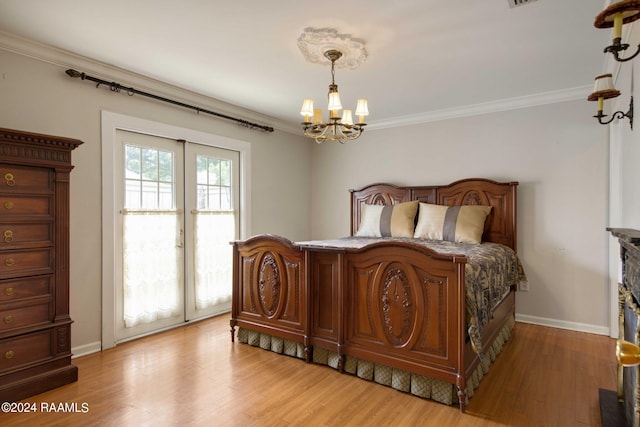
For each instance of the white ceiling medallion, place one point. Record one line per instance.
(314, 42)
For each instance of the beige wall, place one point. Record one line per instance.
(557, 152)
(38, 96)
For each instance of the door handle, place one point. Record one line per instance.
(181, 239)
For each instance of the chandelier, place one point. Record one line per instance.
(336, 128)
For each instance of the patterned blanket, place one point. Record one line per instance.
(490, 272)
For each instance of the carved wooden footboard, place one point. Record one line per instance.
(394, 303)
(269, 288)
(405, 309)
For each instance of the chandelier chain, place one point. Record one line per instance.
(333, 72)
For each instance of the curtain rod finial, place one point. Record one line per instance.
(73, 73)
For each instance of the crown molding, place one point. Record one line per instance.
(544, 98)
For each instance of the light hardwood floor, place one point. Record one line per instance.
(194, 375)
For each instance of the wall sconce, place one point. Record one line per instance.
(615, 16)
(604, 89)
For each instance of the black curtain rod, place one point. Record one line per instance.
(117, 87)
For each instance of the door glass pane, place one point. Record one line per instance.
(165, 191)
(213, 260)
(132, 194)
(215, 227)
(132, 162)
(214, 198)
(149, 164)
(149, 195)
(214, 171)
(225, 173)
(149, 180)
(225, 199)
(214, 183)
(151, 267)
(152, 273)
(165, 166)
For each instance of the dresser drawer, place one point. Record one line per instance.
(28, 287)
(29, 262)
(25, 316)
(25, 179)
(36, 234)
(25, 349)
(24, 205)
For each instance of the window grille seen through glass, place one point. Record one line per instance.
(214, 184)
(149, 182)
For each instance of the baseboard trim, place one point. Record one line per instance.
(84, 350)
(562, 324)
(95, 347)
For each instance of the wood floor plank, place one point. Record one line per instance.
(195, 376)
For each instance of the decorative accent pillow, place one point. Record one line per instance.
(451, 223)
(388, 221)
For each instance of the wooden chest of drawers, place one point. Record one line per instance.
(35, 327)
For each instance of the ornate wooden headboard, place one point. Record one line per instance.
(500, 226)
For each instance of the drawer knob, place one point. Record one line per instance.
(8, 292)
(8, 236)
(8, 319)
(8, 177)
(8, 205)
(9, 262)
(9, 354)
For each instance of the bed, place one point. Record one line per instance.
(408, 300)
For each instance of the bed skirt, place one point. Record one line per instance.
(417, 385)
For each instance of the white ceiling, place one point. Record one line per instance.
(425, 57)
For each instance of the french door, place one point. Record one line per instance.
(212, 223)
(178, 210)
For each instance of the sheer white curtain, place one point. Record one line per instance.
(213, 260)
(151, 266)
